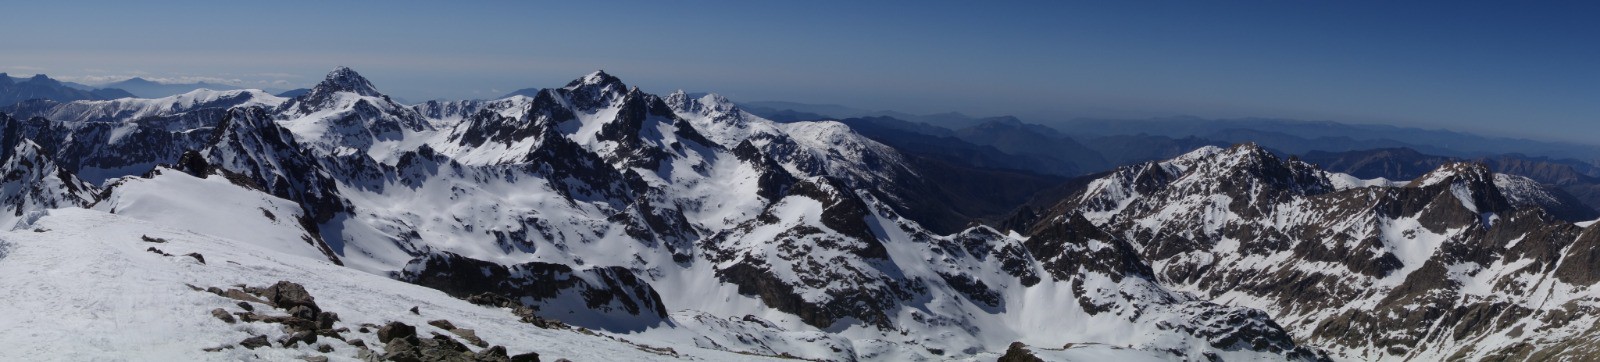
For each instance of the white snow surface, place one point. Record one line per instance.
(80, 286)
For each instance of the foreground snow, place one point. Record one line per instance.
(81, 286)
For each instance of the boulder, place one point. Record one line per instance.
(396, 330)
(241, 296)
(254, 342)
(303, 312)
(325, 320)
(306, 337)
(288, 295)
(471, 336)
(493, 354)
(223, 315)
(442, 324)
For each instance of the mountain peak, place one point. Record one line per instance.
(599, 78)
(1455, 171)
(595, 90)
(344, 79)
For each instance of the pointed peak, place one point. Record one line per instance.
(1471, 172)
(1246, 148)
(344, 79)
(1240, 155)
(599, 78)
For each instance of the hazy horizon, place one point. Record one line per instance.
(1497, 69)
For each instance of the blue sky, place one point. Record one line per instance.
(1509, 68)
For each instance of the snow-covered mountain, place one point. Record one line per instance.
(1457, 264)
(686, 222)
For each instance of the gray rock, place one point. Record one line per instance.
(471, 336)
(240, 295)
(288, 295)
(442, 324)
(223, 315)
(493, 354)
(325, 320)
(395, 330)
(254, 342)
(306, 337)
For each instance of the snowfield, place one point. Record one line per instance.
(80, 286)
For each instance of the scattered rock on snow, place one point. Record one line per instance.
(254, 342)
(395, 330)
(223, 315)
(442, 324)
(526, 357)
(471, 336)
(288, 295)
(242, 296)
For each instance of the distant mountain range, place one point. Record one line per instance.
(1292, 136)
(13, 90)
(144, 88)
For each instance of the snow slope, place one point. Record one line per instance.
(82, 278)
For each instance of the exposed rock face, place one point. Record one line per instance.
(620, 297)
(1019, 352)
(1425, 269)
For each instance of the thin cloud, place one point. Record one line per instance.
(273, 75)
